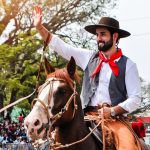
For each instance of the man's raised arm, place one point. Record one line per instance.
(38, 24)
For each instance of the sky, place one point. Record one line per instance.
(134, 17)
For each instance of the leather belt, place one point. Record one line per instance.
(95, 108)
(91, 109)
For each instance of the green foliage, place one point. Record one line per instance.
(19, 65)
(19, 60)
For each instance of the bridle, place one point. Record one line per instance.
(53, 119)
(47, 108)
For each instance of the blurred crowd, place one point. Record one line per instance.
(12, 134)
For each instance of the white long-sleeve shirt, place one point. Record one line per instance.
(82, 57)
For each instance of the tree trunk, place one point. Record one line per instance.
(2, 96)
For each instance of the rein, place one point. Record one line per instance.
(59, 145)
(100, 122)
(16, 102)
(52, 120)
(65, 108)
(37, 82)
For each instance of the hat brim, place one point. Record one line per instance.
(92, 29)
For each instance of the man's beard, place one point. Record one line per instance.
(105, 46)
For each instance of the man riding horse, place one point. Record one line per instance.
(110, 77)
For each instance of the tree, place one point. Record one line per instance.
(19, 59)
(145, 98)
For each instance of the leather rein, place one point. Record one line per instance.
(37, 78)
(47, 107)
(53, 119)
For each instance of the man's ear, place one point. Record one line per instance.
(48, 67)
(71, 68)
(115, 36)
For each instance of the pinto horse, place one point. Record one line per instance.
(58, 106)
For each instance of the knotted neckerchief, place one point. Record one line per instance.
(113, 66)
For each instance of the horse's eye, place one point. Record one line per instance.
(61, 91)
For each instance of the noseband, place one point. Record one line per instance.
(53, 119)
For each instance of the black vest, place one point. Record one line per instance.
(117, 87)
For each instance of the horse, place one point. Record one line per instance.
(58, 108)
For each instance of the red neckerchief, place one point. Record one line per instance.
(113, 66)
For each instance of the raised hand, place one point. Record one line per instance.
(37, 13)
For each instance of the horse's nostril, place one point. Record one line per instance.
(32, 130)
(37, 122)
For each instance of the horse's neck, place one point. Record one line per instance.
(74, 130)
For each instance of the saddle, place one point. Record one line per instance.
(92, 119)
(97, 134)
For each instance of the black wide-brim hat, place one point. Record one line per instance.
(109, 23)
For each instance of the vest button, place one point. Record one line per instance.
(93, 90)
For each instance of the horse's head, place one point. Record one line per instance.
(55, 104)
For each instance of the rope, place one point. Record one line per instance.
(59, 145)
(103, 128)
(40, 66)
(16, 102)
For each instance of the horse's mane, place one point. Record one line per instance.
(63, 74)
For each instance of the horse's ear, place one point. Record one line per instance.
(48, 68)
(71, 68)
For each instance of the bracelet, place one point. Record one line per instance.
(112, 112)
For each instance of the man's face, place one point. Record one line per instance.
(104, 39)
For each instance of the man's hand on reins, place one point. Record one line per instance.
(105, 111)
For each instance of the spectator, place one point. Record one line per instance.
(20, 118)
(13, 136)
